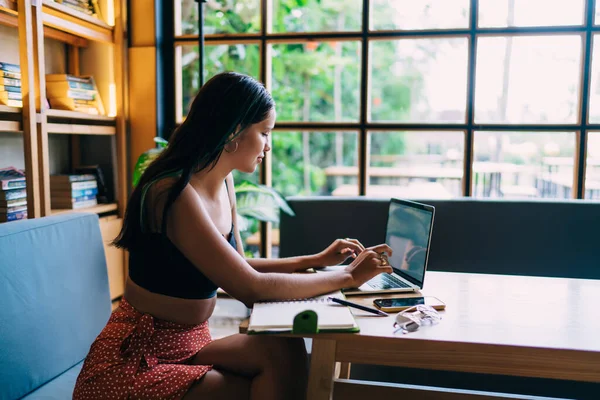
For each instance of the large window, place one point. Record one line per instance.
(418, 99)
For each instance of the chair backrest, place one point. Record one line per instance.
(541, 238)
(54, 298)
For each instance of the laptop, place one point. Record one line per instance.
(408, 233)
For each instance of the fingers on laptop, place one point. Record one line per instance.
(353, 246)
(356, 243)
(382, 248)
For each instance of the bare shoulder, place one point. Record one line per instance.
(155, 200)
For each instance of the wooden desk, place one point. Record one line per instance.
(493, 324)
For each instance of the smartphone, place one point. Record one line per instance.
(400, 304)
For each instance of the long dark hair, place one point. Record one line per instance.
(225, 105)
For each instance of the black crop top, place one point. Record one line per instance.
(161, 268)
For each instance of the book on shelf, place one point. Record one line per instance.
(11, 178)
(102, 192)
(6, 217)
(13, 203)
(12, 103)
(65, 178)
(4, 95)
(10, 4)
(280, 316)
(74, 93)
(8, 67)
(73, 185)
(11, 75)
(73, 191)
(12, 194)
(10, 81)
(79, 5)
(62, 193)
(74, 205)
(12, 210)
(10, 88)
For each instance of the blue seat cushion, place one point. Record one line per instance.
(59, 388)
(54, 298)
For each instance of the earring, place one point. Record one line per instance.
(236, 147)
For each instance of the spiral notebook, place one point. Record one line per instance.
(278, 316)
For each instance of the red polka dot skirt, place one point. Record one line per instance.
(137, 356)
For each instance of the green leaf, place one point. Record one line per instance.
(263, 193)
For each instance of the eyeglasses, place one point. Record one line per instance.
(414, 317)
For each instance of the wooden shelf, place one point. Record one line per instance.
(79, 129)
(10, 126)
(68, 20)
(52, 113)
(10, 17)
(99, 209)
(10, 119)
(11, 110)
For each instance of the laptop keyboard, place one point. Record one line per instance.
(386, 281)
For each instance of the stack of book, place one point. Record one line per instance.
(74, 93)
(10, 85)
(73, 191)
(13, 196)
(85, 6)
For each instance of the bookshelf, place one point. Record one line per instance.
(44, 36)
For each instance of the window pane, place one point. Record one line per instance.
(249, 227)
(595, 82)
(523, 164)
(410, 14)
(502, 13)
(528, 79)
(307, 163)
(316, 15)
(316, 81)
(239, 58)
(220, 16)
(592, 177)
(416, 164)
(418, 80)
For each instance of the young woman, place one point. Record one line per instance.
(181, 233)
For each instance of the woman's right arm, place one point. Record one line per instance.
(191, 230)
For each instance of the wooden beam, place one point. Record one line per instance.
(142, 101)
(56, 113)
(100, 208)
(26, 57)
(142, 17)
(70, 26)
(40, 106)
(73, 60)
(77, 129)
(121, 85)
(10, 126)
(71, 21)
(10, 18)
(322, 366)
(360, 390)
(67, 12)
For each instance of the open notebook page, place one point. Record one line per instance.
(273, 316)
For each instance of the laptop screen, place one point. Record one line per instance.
(408, 234)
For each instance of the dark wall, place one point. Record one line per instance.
(539, 238)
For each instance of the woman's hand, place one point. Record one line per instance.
(339, 251)
(369, 263)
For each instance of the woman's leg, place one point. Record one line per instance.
(220, 385)
(276, 367)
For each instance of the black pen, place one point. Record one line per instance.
(360, 307)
